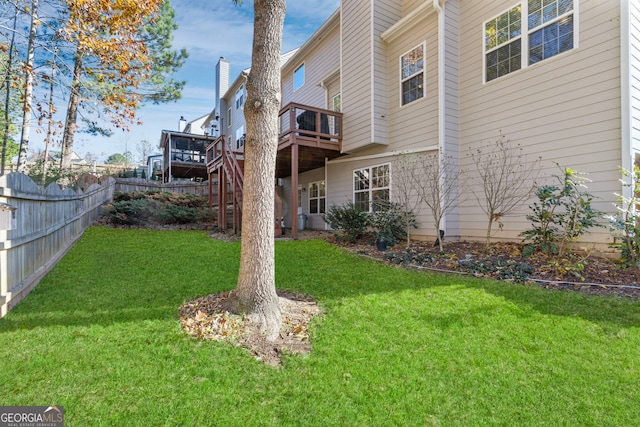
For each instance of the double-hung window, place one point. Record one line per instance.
(317, 197)
(412, 75)
(529, 32)
(371, 187)
(550, 28)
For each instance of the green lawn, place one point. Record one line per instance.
(100, 336)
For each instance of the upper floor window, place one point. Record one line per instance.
(240, 97)
(298, 77)
(317, 197)
(412, 75)
(550, 28)
(229, 118)
(337, 103)
(527, 33)
(371, 187)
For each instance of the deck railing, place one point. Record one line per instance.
(311, 126)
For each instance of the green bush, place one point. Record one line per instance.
(173, 214)
(389, 221)
(626, 220)
(126, 212)
(347, 218)
(561, 215)
(137, 207)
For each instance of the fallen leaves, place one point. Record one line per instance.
(205, 318)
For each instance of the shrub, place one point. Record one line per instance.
(126, 212)
(498, 268)
(561, 215)
(627, 220)
(347, 218)
(173, 214)
(389, 221)
(136, 207)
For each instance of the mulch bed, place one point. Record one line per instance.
(593, 274)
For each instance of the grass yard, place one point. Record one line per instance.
(100, 336)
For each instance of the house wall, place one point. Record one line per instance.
(451, 134)
(412, 127)
(237, 114)
(409, 6)
(320, 61)
(634, 73)
(364, 76)
(565, 109)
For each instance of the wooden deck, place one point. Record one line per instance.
(308, 136)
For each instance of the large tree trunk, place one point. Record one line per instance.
(255, 294)
(28, 90)
(72, 114)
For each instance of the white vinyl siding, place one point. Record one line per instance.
(566, 110)
(320, 59)
(634, 74)
(415, 125)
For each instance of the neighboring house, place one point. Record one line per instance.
(197, 126)
(560, 78)
(183, 156)
(154, 167)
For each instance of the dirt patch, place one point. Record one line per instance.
(205, 318)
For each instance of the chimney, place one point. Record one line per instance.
(223, 71)
(182, 123)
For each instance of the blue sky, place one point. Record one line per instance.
(208, 29)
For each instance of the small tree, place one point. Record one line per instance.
(436, 183)
(562, 213)
(627, 219)
(507, 179)
(406, 174)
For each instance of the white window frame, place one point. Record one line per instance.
(298, 82)
(525, 35)
(240, 97)
(229, 117)
(371, 189)
(413, 75)
(319, 197)
(337, 97)
(240, 136)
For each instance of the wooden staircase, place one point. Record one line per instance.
(229, 166)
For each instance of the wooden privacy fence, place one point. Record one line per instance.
(39, 227)
(136, 184)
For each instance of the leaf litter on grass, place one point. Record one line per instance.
(206, 318)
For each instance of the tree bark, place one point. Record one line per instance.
(28, 90)
(255, 293)
(72, 114)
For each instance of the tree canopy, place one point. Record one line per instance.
(103, 59)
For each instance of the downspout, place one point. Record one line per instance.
(441, 95)
(627, 149)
